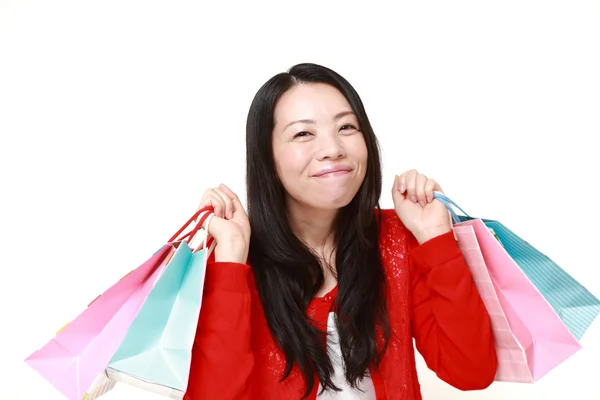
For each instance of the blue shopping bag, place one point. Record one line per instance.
(573, 303)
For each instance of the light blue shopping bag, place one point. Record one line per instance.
(573, 303)
(158, 345)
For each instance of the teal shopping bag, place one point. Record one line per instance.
(573, 303)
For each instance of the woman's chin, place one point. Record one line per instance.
(332, 202)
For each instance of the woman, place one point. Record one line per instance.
(323, 257)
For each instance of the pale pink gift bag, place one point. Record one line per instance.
(530, 338)
(80, 351)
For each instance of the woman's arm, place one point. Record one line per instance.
(222, 358)
(450, 323)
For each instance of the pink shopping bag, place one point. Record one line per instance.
(79, 352)
(530, 338)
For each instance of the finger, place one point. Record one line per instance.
(227, 191)
(216, 202)
(401, 181)
(236, 203)
(397, 196)
(430, 187)
(238, 209)
(215, 227)
(208, 200)
(420, 189)
(398, 188)
(411, 185)
(227, 201)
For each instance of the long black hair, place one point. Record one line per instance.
(288, 274)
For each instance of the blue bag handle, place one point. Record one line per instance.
(445, 200)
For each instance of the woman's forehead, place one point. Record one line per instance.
(310, 101)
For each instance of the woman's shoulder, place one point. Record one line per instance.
(389, 221)
(394, 237)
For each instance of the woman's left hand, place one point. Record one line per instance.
(416, 207)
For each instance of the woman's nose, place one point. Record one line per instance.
(330, 147)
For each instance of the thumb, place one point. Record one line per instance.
(397, 196)
(238, 209)
(217, 227)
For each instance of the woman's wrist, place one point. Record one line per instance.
(428, 234)
(234, 250)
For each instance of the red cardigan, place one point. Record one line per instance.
(430, 297)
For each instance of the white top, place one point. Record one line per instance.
(366, 392)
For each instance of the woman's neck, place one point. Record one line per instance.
(314, 227)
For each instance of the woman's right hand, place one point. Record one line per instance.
(229, 225)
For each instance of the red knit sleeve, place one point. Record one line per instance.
(450, 323)
(222, 358)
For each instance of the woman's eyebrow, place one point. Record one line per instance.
(312, 121)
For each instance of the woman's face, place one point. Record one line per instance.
(320, 153)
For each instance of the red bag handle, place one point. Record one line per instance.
(209, 240)
(198, 226)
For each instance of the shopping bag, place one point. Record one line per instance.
(155, 355)
(529, 336)
(517, 338)
(80, 352)
(574, 304)
(72, 360)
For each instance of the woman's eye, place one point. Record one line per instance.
(348, 127)
(301, 134)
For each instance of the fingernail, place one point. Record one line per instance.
(422, 203)
(413, 199)
(402, 188)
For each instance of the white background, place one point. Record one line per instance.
(116, 115)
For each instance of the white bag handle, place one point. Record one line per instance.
(204, 243)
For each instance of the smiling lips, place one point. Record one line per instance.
(333, 170)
